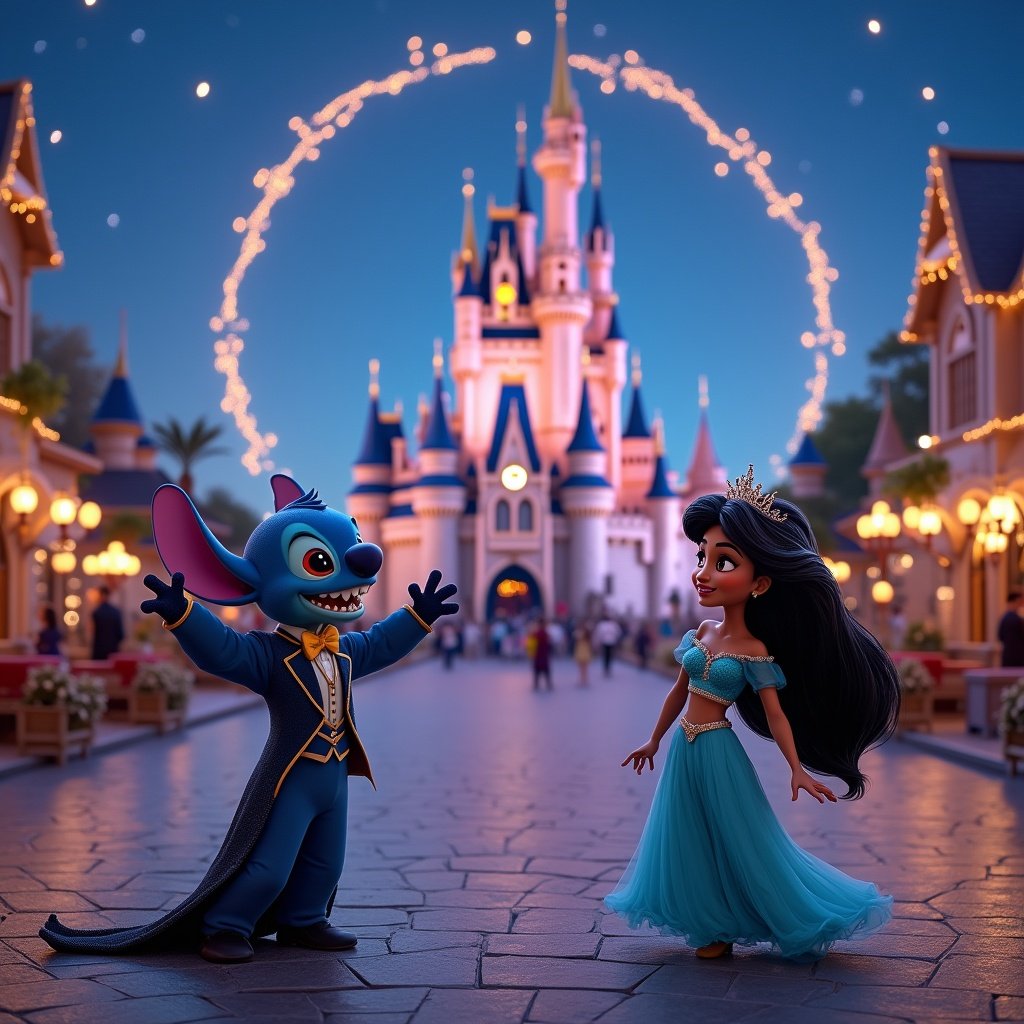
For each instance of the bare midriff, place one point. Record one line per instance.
(700, 710)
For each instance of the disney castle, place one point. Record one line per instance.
(532, 491)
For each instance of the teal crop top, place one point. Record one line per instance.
(721, 677)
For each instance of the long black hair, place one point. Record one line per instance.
(843, 693)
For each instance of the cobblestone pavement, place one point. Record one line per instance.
(475, 875)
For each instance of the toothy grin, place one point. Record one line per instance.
(339, 600)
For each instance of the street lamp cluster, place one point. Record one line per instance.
(878, 529)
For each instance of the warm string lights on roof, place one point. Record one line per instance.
(741, 149)
(13, 405)
(927, 272)
(276, 183)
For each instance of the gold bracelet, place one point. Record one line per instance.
(188, 611)
(408, 608)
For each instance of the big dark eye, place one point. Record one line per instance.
(317, 562)
(725, 564)
(308, 557)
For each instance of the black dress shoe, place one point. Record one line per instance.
(226, 948)
(316, 936)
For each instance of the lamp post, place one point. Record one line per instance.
(878, 529)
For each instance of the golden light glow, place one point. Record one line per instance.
(968, 511)
(63, 510)
(63, 562)
(928, 92)
(114, 561)
(874, 26)
(523, 38)
(514, 477)
(512, 588)
(24, 499)
(882, 591)
(203, 90)
(840, 570)
(276, 183)
(505, 293)
(721, 169)
(931, 523)
(944, 593)
(89, 515)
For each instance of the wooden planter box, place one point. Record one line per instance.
(47, 731)
(916, 710)
(149, 707)
(1013, 749)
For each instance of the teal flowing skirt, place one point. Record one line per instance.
(714, 864)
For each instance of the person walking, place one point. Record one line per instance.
(539, 646)
(642, 645)
(49, 636)
(582, 651)
(107, 627)
(1011, 631)
(449, 641)
(607, 635)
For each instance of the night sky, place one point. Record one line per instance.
(147, 178)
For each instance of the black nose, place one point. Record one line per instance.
(364, 560)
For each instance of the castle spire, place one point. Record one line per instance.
(521, 196)
(660, 487)
(636, 425)
(469, 254)
(121, 368)
(597, 215)
(560, 104)
(438, 433)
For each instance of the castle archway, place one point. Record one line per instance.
(513, 591)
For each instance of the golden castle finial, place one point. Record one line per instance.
(468, 253)
(438, 359)
(521, 135)
(374, 378)
(595, 162)
(702, 390)
(637, 375)
(121, 369)
(659, 433)
(743, 489)
(560, 104)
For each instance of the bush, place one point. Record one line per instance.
(165, 677)
(84, 696)
(914, 677)
(1011, 714)
(921, 636)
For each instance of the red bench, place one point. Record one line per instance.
(14, 669)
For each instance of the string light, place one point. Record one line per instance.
(523, 38)
(276, 183)
(13, 405)
(741, 149)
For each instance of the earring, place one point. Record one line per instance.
(753, 594)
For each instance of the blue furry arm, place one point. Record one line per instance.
(243, 658)
(383, 643)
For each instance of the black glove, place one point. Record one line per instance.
(429, 604)
(170, 602)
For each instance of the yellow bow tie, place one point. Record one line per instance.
(314, 643)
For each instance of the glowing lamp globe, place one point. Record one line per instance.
(841, 571)
(505, 293)
(90, 565)
(931, 523)
(514, 477)
(64, 562)
(63, 510)
(89, 515)
(882, 591)
(968, 511)
(912, 517)
(24, 499)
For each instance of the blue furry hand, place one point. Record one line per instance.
(170, 602)
(428, 603)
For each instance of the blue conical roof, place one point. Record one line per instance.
(585, 439)
(118, 403)
(376, 448)
(659, 485)
(469, 285)
(614, 329)
(807, 454)
(522, 198)
(438, 433)
(637, 423)
(597, 214)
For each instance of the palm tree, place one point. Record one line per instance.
(190, 445)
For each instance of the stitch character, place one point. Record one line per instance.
(307, 567)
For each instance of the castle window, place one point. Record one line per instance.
(961, 379)
(526, 516)
(502, 516)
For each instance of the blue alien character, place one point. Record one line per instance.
(307, 567)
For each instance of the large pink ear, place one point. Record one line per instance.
(186, 545)
(286, 490)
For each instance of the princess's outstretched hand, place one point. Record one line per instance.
(801, 780)
(642, 754)
(170, 602)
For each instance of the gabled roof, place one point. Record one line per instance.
(513, 394)
(585, 439)
(972, 232)
(21, 176)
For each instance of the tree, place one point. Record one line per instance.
(221, 507)
(189, 445)
(848, 425)
(67, 353)
(40, 393)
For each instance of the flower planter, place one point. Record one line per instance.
(1013, 749)
(47, 730)
(151, 707)
(916, 710)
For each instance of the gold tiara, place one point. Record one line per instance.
(743, 489)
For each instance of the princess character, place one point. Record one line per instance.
(713, 863)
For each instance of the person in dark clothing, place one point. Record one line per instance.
(48, 639)
(642, 644)
(107, 627)
(540, 654)
(1011, 631)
